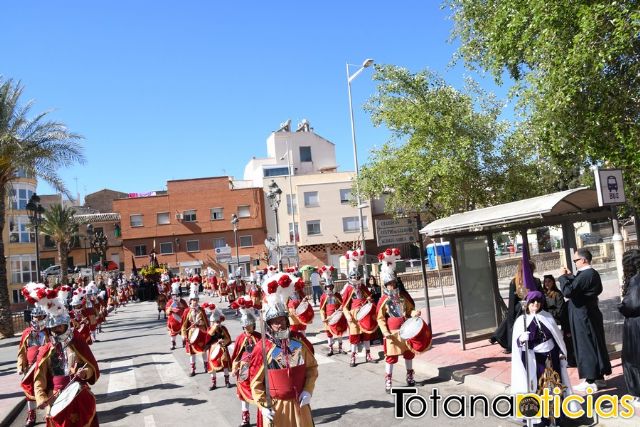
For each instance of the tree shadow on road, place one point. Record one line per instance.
(124, 394)
(123, 411)
(129, 356)
(128, 368)
(327, 415)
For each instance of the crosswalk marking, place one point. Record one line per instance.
(171, 372)
(121, 377)
(149, 421)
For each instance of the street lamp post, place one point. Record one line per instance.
(350, 78)
(274, 195)
(36, 210)
(291, 198)
(89, 239)
(234, 223)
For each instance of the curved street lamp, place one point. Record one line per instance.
(350, 77)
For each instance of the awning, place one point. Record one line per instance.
(535, 209)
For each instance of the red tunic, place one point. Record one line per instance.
(27, 356)
(189, 328)
(174, 316)
(241, 361)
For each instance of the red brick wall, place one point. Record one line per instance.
(201, 195)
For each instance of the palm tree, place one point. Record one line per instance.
(59, 224)
(38, 146)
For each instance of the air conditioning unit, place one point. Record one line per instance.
(179, 216)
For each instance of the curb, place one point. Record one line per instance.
(11, 416)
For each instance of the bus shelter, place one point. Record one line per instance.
(474, 244)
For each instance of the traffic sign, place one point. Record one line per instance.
(223, 254)
(396, 231)
(610, 187)
(288, 251)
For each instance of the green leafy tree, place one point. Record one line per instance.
(59, 224)
(36, 145)
(575, 67)
(447, 152)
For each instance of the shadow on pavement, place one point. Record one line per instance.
(127, 337)
(129, 356)
(121, 412)
(107, 371)
(123, 394)
(327, 415)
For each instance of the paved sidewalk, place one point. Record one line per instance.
(11, 395)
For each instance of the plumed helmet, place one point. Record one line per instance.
(278, 289)
(245, 306)
(57, 320)
(388, 260)
(38, 311)
(216, 316)
(175, 288)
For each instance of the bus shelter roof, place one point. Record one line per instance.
(537, 210)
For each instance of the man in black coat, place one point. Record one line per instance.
(585, 319)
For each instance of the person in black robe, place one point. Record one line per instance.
(517, 292)
(557, 307)
(585, 320)
(630, 309)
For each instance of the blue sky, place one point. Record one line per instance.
(169, 90)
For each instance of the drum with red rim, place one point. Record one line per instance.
(337, 323)
(417, 333)
(366, 318)
(193, 337)
(215, 354)
(304, 312)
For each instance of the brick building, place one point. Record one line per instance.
(192, 219)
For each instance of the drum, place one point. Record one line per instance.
(366, 318)
(417, 334)
(337, 323)
(304, 312)
(65, 398)
(194, 335)
(215, 353)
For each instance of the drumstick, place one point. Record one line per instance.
(73, 379)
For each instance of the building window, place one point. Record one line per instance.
(19, 230)
(49, 243)
(305, 154)
(311, 199)
(23, 269)
(313, 227)
(17, 296)
(189, 216)
(163, 218)
(351, 224)
(20, 197)
(136, 220)
(244, 212)
(279, 171)
(216, 214)
(193, 245)
(219, 242)
(246, 241)
(345, 196)
(166, 248)
(291, 232)
(140, 250)
(290, 198)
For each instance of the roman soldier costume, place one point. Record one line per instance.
(174, 310)
(291, 368)
(354, 296)
(241, 359)
(194, 330)
(65, 362)
(393, 310)
(330, 302)
(296, 298)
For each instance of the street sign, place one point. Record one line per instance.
(288, 251)
(610, 187)
(223, 254)
(396, 231)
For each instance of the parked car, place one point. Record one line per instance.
(590, 238)
(110, 266)
(54, 270)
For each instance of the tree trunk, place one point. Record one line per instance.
(63, 252)
(6, 321)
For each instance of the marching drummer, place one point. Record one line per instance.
(33, 337)
(194, 330)
(241, 359)
(79, 320)
(290, 365)
(219, 340)
(393, 310)
(298, 316)
(65, 367)
(354, 296)
(330, 302)
(174, 309)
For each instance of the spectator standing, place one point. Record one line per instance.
(314, 278)
(630, 309)
(585, 320)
